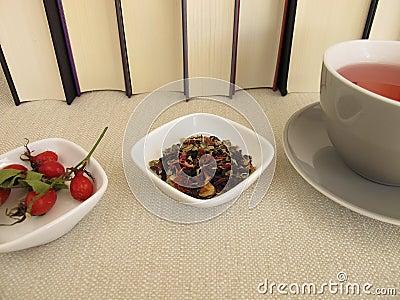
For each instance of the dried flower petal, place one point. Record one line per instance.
(231, 167)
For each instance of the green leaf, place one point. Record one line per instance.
(38, 186)
(6, 174)
(9, 183)
(32, 175)
(59, 186)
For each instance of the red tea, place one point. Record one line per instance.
(382, 79)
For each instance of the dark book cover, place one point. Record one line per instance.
(60, 12)
(286, 47)
(124, 52)
(234, 48)
(9, 79)
(61, 49)
(370, 18)
(281, 38)
(185, 50)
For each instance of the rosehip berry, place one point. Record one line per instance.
(4, 193)
(45, 156)
(51, 169)
(16, 167)
(43, 204)
(81, 187)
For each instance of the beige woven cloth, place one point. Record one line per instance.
(121, 251)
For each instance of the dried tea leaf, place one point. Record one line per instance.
(231, 168)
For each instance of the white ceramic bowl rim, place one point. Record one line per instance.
(263, 145)
(69, 218)
(327, 62)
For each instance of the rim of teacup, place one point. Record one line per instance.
(347, 82)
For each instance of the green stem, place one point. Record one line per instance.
(66, 175)
(85, 160)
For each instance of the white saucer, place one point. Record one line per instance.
(311, 153)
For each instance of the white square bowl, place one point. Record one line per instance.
(150, 147)
(66, 212)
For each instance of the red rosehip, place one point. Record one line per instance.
(51, 169)
(16, 167)
(43, 204)
(45, 156)
(81, 187)
(4, 193)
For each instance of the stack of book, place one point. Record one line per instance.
(312, 26)
(58, 49)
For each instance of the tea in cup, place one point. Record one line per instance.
(360, 101)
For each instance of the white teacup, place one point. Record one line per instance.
(363, 126)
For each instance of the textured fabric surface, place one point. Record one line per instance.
(121, 251)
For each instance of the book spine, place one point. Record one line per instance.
(278, 59)
(60, 49)
(124, 52)
(283, 68)
(234, 48)
(9, 79)
(185, 50)
(370, 19)
(68, 47)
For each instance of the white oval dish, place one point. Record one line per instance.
(150, 147)
(65, 214)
